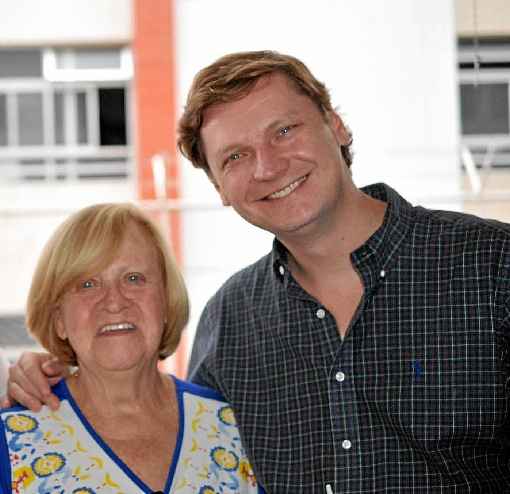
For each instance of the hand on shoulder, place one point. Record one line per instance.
(30, 380)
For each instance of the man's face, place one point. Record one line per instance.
(275, 158)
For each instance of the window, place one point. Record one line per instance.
(485, 100)
(484, 109)
(20, 63)
(63, 113)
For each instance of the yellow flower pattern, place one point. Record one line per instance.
(20, 423)
(58, 451)
(226, 415)
(48, 464)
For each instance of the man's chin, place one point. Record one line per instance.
(282, 228)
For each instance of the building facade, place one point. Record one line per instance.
(90, 93)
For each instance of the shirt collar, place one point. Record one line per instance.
(377, 253)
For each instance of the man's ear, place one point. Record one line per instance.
(343, 136)
(59, 324)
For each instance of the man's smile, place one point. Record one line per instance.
(279, 194)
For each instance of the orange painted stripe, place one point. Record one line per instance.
(155, 115)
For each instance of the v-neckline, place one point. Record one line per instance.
(113, 456)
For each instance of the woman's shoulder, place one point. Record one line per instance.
(197, 390)
(59, 389)
(207, 407)
(210, 442)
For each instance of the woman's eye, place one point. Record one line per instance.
(234, 157)
(284, 130)
(135, 278)
(87, 284)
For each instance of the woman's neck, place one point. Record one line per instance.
(123, 393)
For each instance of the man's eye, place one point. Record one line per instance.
(234, 157)
(87, 284)
(283, 131)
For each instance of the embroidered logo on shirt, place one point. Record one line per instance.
(417, 369)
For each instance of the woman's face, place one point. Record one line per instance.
(114, 319)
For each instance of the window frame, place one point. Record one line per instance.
(73, 153)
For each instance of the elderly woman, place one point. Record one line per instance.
(107, 298)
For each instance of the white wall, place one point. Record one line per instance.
(28, 215)
(30, 211)
(33, 22)
(391, 69)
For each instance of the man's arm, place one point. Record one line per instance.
(30, 379)
(201, 364)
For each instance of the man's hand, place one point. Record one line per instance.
(30, 379)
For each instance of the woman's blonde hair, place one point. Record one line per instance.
(87, 243)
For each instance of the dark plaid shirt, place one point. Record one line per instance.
(414, 399)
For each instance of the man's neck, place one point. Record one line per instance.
(328, 251)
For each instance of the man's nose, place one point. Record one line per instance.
(269, 163)
(114, 300)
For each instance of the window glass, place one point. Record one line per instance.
(81, 115)
(58, 109)
(30, 119)
(112, 116)
(484, 108)
(89, 58)
(32, 169)
(20, 63)
(78, 112)
(3, 120)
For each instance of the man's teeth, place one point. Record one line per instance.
(117, 327)
(287, 190)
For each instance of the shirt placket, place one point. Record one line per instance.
(344, 413)
(342, 387)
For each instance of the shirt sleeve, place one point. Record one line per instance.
(202, 368)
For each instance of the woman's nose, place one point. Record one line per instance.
(114, 299)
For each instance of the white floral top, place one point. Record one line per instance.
(60, 453)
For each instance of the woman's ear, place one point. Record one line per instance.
(59, 324)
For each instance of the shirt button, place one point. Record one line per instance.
(340, 376)
(282, 270)
(321, 313)
(346, 444)
(382, 274)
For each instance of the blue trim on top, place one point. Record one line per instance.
(180, 435)
(5, 461)
(182, 387)
(197, 389)
(102, 444)
(60, 390)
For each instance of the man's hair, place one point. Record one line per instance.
(86, 243)
(231, 78)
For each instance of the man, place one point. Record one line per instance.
(368, 352)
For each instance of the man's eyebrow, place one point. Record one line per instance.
(276, 123)
(226, 150)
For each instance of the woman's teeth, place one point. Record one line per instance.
(109, 328)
